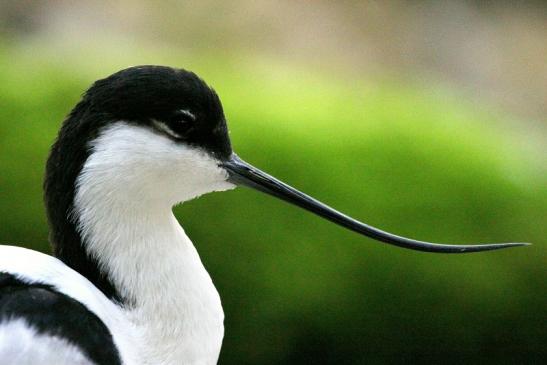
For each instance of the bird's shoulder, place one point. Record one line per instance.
(33, 267)
(40, 322)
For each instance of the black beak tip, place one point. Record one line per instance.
(486, 247)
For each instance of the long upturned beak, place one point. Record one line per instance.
(242, 173)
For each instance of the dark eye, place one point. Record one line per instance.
(178, 124)
(181, 116)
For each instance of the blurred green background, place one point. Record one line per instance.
(426, 119)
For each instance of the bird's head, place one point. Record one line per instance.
(158, 135)
(153, 133)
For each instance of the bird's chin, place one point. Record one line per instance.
(224, 185)
(210, 188)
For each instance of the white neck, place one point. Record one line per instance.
(137, 241)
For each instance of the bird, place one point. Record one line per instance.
(125, 284)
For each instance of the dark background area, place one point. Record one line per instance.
(424, 118)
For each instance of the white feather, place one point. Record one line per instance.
(20, 344)
(123, 202)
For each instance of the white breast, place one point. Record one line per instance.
(181, 327)
(122, 206)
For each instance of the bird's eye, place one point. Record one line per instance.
(181, 116)
(178, 124)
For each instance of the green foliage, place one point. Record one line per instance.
(297, 289)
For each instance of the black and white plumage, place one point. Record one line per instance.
(126, 285)
(57, 320)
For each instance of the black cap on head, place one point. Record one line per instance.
(181, 101)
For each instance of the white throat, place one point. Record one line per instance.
(122, 206)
